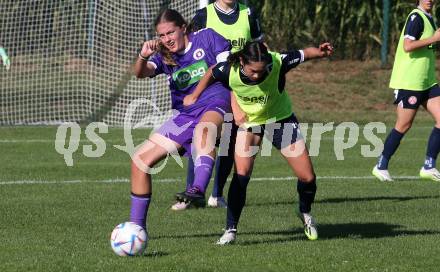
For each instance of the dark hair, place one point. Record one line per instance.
(252, 51)
(169, 16)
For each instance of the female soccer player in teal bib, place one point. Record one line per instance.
(238, 24)
(415, 84)
(263, 108)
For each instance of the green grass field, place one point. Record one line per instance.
(59, 218)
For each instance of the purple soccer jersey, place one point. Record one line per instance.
(205, 49)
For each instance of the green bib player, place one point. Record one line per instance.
(262, 107)
(238, 24)
(414, 81)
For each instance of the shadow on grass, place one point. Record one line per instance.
(183, 236)
(368, 230)
(337, 231)
(375, 198)
(347, 199)
(326, 232)
(155, 254)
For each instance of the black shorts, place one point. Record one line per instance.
(413, 99)
(285, 132)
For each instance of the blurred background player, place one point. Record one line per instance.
(5, 58)
(261, 105)
(415, 84)
(179, 54)
(238, 24)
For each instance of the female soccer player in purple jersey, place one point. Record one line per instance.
(184, 58)
(260, 103)
(238, 24)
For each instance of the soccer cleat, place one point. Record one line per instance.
(431, 174)
(382, 175)
(192, 197)
(309, 226)
(180, 206)
(217, 202)
(228, 237)
(180, 196)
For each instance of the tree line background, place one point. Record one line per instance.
(353, 26)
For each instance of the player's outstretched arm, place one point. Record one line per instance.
(142, 68)
(324, 50)
(206, 80)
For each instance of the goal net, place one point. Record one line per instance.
(70, 60)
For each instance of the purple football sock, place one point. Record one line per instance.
(202, 172)
(139, 209)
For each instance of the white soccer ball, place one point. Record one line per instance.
(128, 239)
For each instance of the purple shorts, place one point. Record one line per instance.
(180, 127)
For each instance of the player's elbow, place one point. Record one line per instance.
(138, 73)
(408, 45)
(407, 48)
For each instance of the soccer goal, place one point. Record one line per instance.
(70, 60)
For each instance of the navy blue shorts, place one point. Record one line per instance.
(413, 99)
(285, 132)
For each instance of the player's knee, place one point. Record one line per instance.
(403, 128)
(140, 163)
(307, 178)
(244, 171)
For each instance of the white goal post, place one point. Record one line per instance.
(70, 60)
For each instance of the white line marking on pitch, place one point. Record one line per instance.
(171, 180)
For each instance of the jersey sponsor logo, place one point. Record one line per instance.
(293, 61)
(190, 74)
(198, 54)
(240, 42)
(254, 99)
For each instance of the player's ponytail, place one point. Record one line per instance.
(234, 58)
(251, 52)
(169, 16)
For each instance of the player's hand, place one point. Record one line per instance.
(325, 49)
(149, 48)
(240, 118)
(436, 35)
(189, 100)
